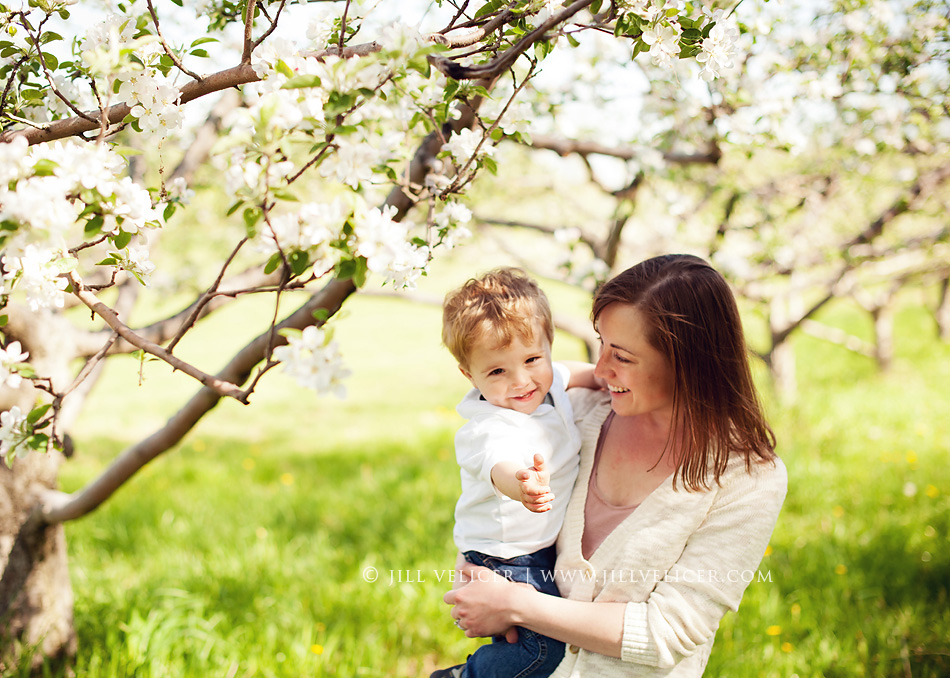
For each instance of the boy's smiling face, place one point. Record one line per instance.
(517, 376)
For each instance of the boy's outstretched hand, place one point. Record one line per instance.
(534, 484)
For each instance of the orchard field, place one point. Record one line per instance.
(308, 537)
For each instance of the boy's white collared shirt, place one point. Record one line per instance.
(487, 521)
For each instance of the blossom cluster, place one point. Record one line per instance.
(663, 22)
(110, 50)
(51, 194)
(313, 359)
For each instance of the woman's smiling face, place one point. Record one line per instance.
(639, 377)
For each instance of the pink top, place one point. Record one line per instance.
(600, 516)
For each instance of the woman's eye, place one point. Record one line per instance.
(621, 359)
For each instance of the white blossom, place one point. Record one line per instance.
(178, 188)
(36, 274)
(14, 431)
(14, 160)
(110, 33)
(541, 11)
(10, 357)
(385, 245)
(664, 42)
(136, 261)
(462, 145)
(718, 50)
(314, 361)
(452, 213)
(310, 229)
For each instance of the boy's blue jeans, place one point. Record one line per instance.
(534, 655)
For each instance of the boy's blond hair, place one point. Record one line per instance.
(493, 308)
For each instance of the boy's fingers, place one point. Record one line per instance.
(539, 462)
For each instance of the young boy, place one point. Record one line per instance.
(499, 329)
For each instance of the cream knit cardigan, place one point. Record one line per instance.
(679, 561)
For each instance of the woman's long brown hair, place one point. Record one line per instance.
(696, 325)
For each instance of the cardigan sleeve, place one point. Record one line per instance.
(717, 563)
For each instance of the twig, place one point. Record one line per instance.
(250, 8)
(49, 76)
(220, 387)
(168, 50)
(273, 25)
(342, 40)
(506, 59)
(205, 298)
(86, 245)
(88, 367)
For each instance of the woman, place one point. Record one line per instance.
(678, 492)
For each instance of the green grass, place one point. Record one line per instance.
(243, 552)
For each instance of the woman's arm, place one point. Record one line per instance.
(684, 609)
(490, 605)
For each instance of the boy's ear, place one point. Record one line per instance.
(468, 375)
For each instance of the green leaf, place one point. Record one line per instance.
(66, 264)
(199, 53)
(251, 216)
(201, 41)
(489, 164)
(235, 207)
(122, 240)
(321, 315)
(44, 168)
(284, 194)
(52, 62)
(4, 319)
(108, 261)
(272, 263)
(37, 413)
(299, 262)
(488, 7)
(169, 211)
(284, 69)
(93, 226)
(301, 82)
(177, 2)
(38, 441)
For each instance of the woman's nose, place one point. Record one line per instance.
(600, 369)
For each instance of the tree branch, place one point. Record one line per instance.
(565, 147)
(223, 388)
(506, 59)
(57, 507)
(168, 50)
(231, 77)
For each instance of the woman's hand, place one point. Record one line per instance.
(484, 606)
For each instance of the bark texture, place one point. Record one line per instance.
(36, 597)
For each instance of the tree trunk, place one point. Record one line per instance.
(943, 311)
(781, 358)
(36, 597)
(884, 334)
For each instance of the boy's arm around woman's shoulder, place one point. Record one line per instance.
(581, 375)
